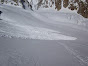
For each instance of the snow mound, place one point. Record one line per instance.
(31, 32)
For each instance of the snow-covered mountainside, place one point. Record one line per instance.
(21, 23)
(22, 26)
(81, 6)
(43, 37)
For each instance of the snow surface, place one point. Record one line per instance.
(15, 23)
(43, 25)
(67, 15)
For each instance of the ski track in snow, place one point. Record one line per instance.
(74, 53)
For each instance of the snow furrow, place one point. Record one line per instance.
(79, 57)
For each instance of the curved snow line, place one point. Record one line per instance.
(70, 50)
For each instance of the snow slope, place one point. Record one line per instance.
(19, 23)
(40, 25)
(65, 13)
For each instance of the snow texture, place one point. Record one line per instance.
(43, 25)
(15, 25)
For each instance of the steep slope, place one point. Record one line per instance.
(22, 3)
(81, 6)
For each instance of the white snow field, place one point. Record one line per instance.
(15, 23)
(42, 38)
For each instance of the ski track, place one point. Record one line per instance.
(74, 53)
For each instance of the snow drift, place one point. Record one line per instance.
(19, 23)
